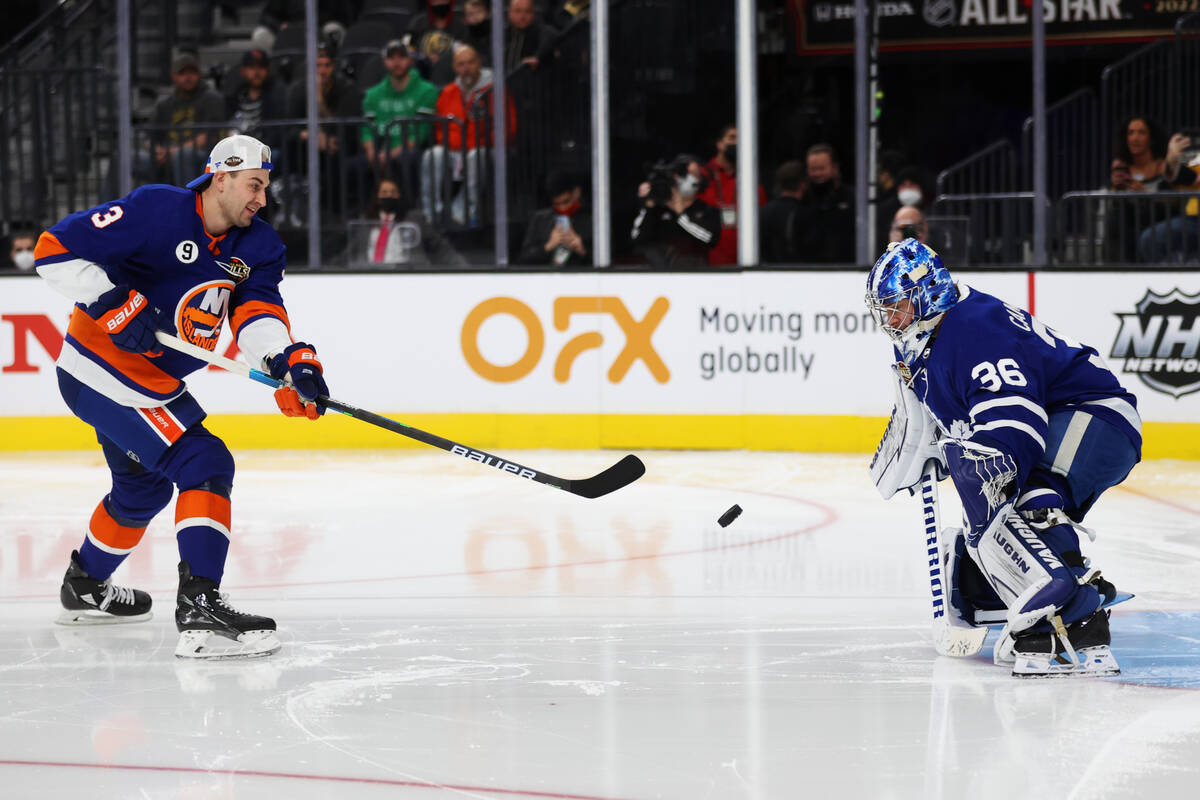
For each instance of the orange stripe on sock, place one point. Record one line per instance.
(200, 503)
(111, 533)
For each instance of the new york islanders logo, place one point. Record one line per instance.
(201, 313)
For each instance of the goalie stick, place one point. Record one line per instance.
(620, 474)
(951, 635)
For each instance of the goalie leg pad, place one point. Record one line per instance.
(1033, 580)
(970, 593)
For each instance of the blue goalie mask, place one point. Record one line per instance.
(908, 290)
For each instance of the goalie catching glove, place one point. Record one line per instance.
(298, 366)
(129, 318)
(909, 442)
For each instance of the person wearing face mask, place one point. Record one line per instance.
(20, 253)
(908, 188)
(560, 235)
(679, 230)
(829, 238)
(722, 195)
(432, 36)
(398, 233)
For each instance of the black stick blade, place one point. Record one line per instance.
(622, 473)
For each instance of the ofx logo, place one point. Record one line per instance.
(637, 337)
(1159, 342)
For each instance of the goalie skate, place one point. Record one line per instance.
(88, 601)
(1080, 650)
(210, 628)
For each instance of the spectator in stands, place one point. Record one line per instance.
(829, 238)
(528, 41)
(465, 145)
(1138, 154)
(432, 39)
(909, 222)
(722, 195)
(403, 235)
(336, 97)
(395, 102)
(784, 219)
(1139, 158)
(561, 234)
(477, 14)
(1176, 239)
(20, 250)
(675, 228)
(337, 146)
(179, 143)
(255, 98)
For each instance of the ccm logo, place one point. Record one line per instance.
(637, 337)
(492, 461)
(117, 319)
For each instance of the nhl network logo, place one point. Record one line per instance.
(1160, 342)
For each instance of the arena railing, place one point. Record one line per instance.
(54, 141)
(1121, 228)
(992, 169)
(999, 229)
(1078, 143)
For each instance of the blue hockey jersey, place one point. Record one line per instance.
(993, 373)
(154, 241)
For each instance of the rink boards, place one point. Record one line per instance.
(756, 360)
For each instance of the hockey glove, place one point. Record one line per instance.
(129, 318)
(298, 364)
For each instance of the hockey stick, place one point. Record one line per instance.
(621, 474)
(951, 635)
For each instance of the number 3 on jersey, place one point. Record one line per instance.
(1006, 370)
(113, 214)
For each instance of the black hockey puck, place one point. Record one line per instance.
(730, 515)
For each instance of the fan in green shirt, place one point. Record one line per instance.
(403, 93)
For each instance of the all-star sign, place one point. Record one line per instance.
(1160, 342)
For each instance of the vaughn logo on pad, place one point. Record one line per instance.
(1160, 342)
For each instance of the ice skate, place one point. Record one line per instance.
(211, 628)
(88, 601)
(1081, 649)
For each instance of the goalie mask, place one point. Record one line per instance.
(908, 291)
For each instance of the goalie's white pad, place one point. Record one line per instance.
(909, 441)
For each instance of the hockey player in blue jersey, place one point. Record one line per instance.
(1032, 427)
(180, 260)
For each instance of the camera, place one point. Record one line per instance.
(661, 180)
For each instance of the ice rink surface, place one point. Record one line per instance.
(453, 632)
